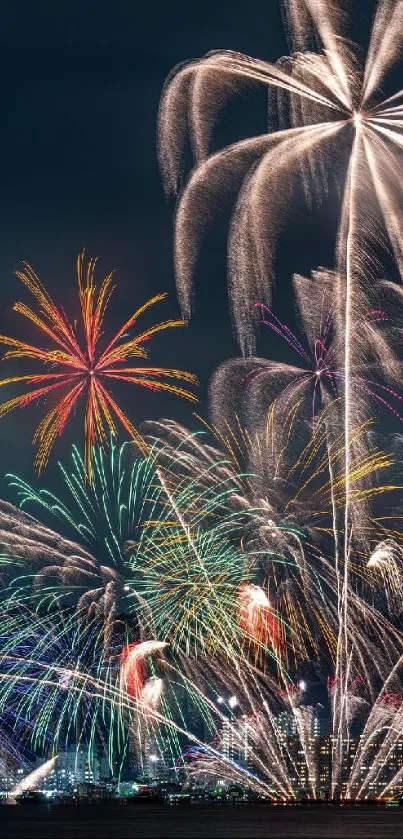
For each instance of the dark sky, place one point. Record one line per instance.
(80, 88)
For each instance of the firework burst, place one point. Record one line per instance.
(154, 552)
(85, 367)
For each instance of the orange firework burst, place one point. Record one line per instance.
(257, 618)
(81, 367)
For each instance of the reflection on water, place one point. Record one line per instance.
(200, 822)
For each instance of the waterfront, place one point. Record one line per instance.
(202, 821)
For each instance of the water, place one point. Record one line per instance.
(200, 821)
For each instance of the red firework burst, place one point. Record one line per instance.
(80, 367)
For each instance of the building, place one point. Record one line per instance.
(10, 776)
(158, 761)
(75, 766)
(304, 735)
(378, 766)
(315, 722)
(324, 755)
(236, 741)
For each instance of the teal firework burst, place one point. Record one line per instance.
(149, 543)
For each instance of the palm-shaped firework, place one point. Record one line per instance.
(322, 97)
(86, 366)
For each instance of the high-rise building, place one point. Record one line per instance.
(158, 760)
(75, 766)
(10, 775)
(236, 741)
(286, 723)
(304, 736)
(315, 724)
(378, 766)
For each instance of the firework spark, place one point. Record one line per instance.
(84, 368)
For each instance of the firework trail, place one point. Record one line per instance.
(12, 757)
(269, 744)
(285, 406)
(56, 677)
(34, 779)
(138, 618)
(318, 355)
(84, 366)
(42, 658)
(291, 540)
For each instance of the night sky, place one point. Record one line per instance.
(81, 83)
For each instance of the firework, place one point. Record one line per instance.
(269, 740)
(144, 545)
(317, 374)
(196, 627)
(257, 617)
(60, 682)
(44, 661)
(262, 736)
(188, 577)
(132, 667)
(289, 538)
(320, 96)
(84, 367)
(208, 580)
(148, 561)
(92, 573)
(293, 413)
(323, 102)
